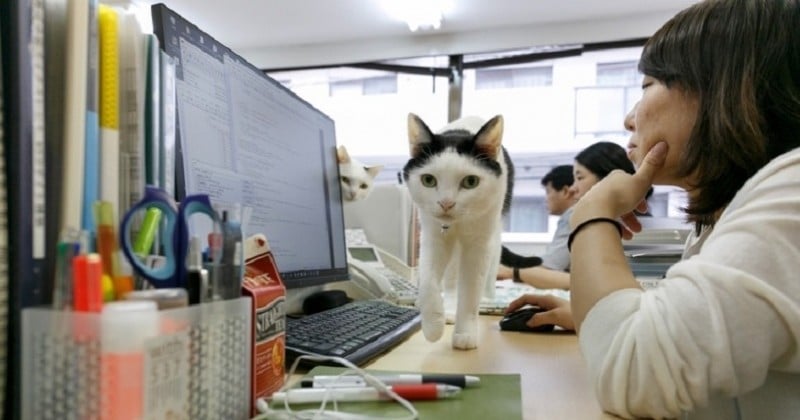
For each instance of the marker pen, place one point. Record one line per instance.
(196, 275)
(335, 381)
(355, 394)
(87, 280)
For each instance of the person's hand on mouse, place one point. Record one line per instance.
(558, 311)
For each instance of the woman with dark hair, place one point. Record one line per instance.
(720, 117)
(595, 162)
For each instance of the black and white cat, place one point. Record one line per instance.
(356, 178)
(461, 180)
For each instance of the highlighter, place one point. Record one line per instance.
(106, 237)
(147, 232)
(87, 277)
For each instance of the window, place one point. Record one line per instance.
(370, 86)
(575, 101)
(624, 73)
(600, 110)
(508, 78)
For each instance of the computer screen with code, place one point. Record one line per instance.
(250, 143)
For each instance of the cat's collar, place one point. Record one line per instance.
(444, 228)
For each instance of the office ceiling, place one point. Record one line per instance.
(280, 33)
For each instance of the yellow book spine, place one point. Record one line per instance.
(108, 30)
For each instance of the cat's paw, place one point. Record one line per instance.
(465, 341)
(465, 335)
(433, 326)
(450, 317)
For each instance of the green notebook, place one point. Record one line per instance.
(497, 397)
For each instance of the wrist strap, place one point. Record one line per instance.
(589, 222)
(516, 277)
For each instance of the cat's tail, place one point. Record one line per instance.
(511, 259)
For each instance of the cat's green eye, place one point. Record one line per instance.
(346, 180)
(428, 180)
(470, 181)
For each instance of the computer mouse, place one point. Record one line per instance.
(515, 321)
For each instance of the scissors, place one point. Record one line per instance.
(174, 236)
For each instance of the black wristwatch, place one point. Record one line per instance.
(516, 275)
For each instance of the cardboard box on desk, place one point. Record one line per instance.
(263, 284)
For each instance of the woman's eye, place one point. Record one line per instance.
(428, 180)
(469, 182)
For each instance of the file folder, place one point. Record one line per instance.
(23, 83)
(3, 241)
(109, 104)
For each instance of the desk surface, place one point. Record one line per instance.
(552, 371)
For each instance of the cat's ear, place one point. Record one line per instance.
(418, 134)
(341, 155)
(373, 170)
(489, 138)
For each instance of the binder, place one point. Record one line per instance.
(132, 61)
(3, 241)
(152, 116)
(23, 94)
(91, 152)
(74, 114)
(108, 30)
(54, 58)
(169, 124)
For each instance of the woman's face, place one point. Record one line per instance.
(666, 115)
(584, 180)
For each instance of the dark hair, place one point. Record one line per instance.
(559, 177)
(603, 157)
(742, 61)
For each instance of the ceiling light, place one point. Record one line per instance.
(419, 14)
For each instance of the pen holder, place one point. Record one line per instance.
(194, 363)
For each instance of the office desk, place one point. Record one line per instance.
(552, 371)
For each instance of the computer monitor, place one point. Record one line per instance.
(244, 139)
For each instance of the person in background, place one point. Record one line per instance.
(591, 165)
(720, 117)
(555, 261)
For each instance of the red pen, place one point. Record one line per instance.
(415, 392)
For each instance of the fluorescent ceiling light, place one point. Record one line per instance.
(419, 14)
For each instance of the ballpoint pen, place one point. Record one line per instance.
(336, 381)
(359, 394)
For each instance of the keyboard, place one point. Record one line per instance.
(358, 331)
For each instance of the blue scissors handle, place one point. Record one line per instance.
(174, 235)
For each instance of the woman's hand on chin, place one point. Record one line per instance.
(618, 194)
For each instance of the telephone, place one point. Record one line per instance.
(377, 273)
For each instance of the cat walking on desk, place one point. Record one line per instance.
(461, 180)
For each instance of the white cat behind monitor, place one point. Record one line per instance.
(356, 178)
